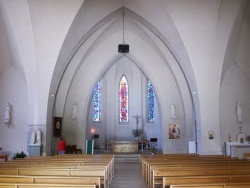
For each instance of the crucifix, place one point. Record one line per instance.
(137, 120)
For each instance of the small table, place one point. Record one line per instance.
(3, 157)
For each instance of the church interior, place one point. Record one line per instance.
(178, 70)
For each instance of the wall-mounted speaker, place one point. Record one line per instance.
(123, 48)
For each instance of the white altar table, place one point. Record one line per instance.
(231, 146)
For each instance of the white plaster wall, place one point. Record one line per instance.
(235, 87)
(13, 138)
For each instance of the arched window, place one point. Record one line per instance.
(151, 102)
(123, 100)
(97, 102)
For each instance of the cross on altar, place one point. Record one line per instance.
(137, 120)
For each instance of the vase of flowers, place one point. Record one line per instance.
(137, 133)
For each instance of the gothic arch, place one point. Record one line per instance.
(69, 62)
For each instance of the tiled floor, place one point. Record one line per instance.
(127, 175)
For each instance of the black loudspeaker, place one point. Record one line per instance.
(96, 135)
(153, 139)
(123, 48)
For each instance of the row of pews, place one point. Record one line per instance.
(195, 171)
(69, 170)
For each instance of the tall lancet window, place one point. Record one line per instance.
(97, 102)
(151, 102)
(123, 100)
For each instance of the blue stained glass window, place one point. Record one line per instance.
(151, 102)
(97, 102)
(123, 100)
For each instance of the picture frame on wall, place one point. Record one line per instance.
(174, 131)
(210, 134)
(57, 126)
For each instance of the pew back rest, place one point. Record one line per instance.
(198, 186)
(167, 181)
(16, 185)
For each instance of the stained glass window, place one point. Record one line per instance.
(123, 100)
(97, 102)
(151, 102)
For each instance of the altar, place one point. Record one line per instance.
(231, 147)
(121, 146)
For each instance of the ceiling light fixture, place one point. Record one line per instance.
(123, 48)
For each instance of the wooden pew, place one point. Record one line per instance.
(147, 162)
(87, 172)
(159, 174)
(231, 171)
(196, 161)
(3, 157)
(50, 179)
(212, 169)
(177, 173)
(17, 185)
(237, 185)
(167, 181)
(212, 185)
(66, 162)
(246, 155)
(67, 180)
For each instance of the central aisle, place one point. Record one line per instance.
(127, 175)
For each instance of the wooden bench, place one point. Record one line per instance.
(159, 174)
(212, 185)
(237, 185)
(176, 173)
(167, 181)
(87, 172)
(212, 169)
(147, 163)
(80, 162)
(50, 179)
(22, 185)
(3, 157)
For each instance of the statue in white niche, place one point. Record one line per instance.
(36, 137)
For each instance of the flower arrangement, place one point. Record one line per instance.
(137, 132)
(152, 150)
(19, 155)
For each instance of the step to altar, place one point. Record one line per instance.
(127, 157)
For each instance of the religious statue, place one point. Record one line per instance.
(172, 110)
(74, 113)
(7, 116)
(36, 137)
(239, 112)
